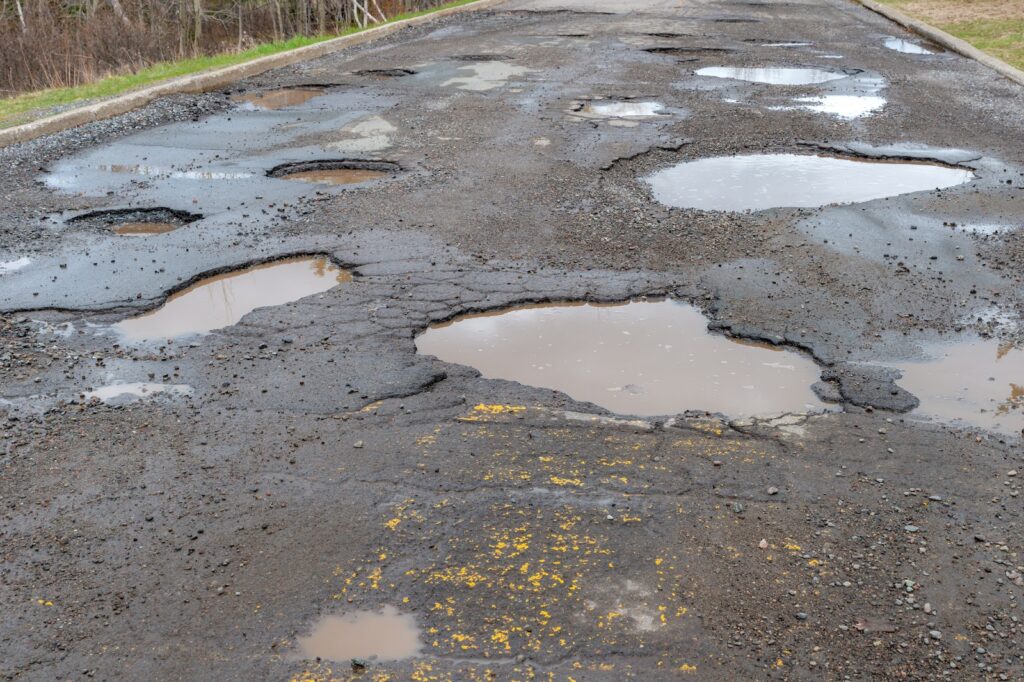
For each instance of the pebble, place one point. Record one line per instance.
(773, 490)
(358, 444)
(935, 634)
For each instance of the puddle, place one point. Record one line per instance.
(481, 57)
(487, 75)
(906, 46)
(121, 393)
(641, 358)
(980, 382)
(164, 171)
(773, 76)
(623, 109)
(14, 265)
(137, 221)
(385, 635)
(278, 99)
(335, 172)
(760, 181)
(144, 229)
(386, 73)
(223, 300)
(846, 107)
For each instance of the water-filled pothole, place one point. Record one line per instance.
(906, 46)
(686, 51)
(278, 99)
(774, 75)
(846, 107)
(385, 635)
(978, 382)
(486, 57)
(622, 109)
(137, 221)
(122, 393)
(222, 300)
(385, 73)
(335, 171)
(640, 358)
(761, 181)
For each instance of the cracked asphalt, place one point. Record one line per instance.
(319, 466)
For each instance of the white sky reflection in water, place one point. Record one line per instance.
(760, 181)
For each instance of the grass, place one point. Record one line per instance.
(992, 26)
(19, 109)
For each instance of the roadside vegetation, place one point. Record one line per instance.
(100, 48)
(993, 26)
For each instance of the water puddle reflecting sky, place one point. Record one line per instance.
(641, 358)
(978, 382)
(385, 635)
(222, 300)
(761, 181)
(773, 76)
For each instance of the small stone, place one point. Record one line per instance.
(801, 616)
(763, 544)
(935, 634)
(911, 529)
(358, 444)
(927, 607)
(773, 490)
(737, 507)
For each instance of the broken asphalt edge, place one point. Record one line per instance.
(945, 40)
(211, 80)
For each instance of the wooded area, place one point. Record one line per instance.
(59, 43)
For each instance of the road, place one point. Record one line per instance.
(307, 462)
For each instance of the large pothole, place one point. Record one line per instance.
(278, 99)
(760, 181)
(979, 382)
(136, 221)
(643, 358)
(335, 171)
(222, 300)
(384, 635)
(773, 75)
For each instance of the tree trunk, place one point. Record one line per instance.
(197, 26)
(21, 15)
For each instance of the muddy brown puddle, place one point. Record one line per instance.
(221, 301)
(385, 635)
(760, 181)
(279, 99)
(337, 176)
(144, 229)
(641, 358)
(978, 382)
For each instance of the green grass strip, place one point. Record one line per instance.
(20, 108)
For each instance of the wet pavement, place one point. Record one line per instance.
(215, 454)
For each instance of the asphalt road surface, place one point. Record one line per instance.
(234, 488)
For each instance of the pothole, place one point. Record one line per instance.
(384, 635)
(335, 171)
(385, 73)
(222, 300)
(978, 382)
(773, 75)
(483, 57)
(278, 99)
(760, 181)
(906, 46)
(130, 392)
(137, 222)
(847, 107)
(686, 51)
(642, 358)
(618, 109)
